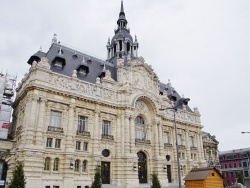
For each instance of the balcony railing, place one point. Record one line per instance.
(55, 129)
(143, 141)
(108, 137)
(193, 148)
(167, 145)
(83, 133)
(181, 146)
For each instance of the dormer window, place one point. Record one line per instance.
(59, 63)
(83, 71)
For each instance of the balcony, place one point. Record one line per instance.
(83, 133)
(55, 129)
(181, 146)
(107, 137)
(167, 145)
(193, 148)
(142, 141)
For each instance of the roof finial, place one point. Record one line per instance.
(169, 82)
(54, 39)
(40, 49)
(122, 9)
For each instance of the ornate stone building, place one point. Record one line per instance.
(74, 112)
(211, 152)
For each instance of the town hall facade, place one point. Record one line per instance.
(74, 113)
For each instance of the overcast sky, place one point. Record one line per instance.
(202, 46)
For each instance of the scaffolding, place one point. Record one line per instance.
(7, 94)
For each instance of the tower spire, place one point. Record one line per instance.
(122, 22)
(122, 9)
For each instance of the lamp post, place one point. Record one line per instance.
(178, 103)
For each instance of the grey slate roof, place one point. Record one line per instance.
(73, 59)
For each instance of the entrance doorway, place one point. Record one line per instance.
(105, 172)
(169, 173)
(142, 167)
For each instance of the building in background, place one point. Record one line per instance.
(233, 162)
(211, 152)
(74, 112)
(7, 92)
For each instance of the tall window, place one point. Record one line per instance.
(82, 124)
(85, 146)
(77, 164)
(84, 166)
(140, 132)
(106, 127)
(49, 142)
(56, 164)
(58, 143)
(166, 137)
(78, 145)
(47, 164)
(55, 119)
(191, 141)
(179, 142)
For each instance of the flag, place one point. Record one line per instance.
(5, 125)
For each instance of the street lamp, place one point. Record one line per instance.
(179, 102)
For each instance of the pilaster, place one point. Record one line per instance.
(40, 124)
(69, 133)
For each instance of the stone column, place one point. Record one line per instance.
(31, 120)
(188, 149)
(96, 132)
(69, 142)
(41, 125)
(132, 135)
(160, 140)
(122, 133)
(118, 136)
(156, 139)
(200, 147)
(126, 134)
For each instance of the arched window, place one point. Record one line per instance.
(77, 164)
(47, 163)
(140, 132)
(56, 164)
(84, 166)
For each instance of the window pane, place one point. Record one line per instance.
(55, 119)
(49, 142)
(84, 166)
(82, 123)
(85, 146)
(140, 132)
(166, 137)
(58, 143)
(179, 139)
(106, 128)
(56, 164)
(47, 164)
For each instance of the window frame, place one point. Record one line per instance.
(49, 142)
(82, 124)
(57, 143)
(106, 128)
(56, 164)
(55, 119)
